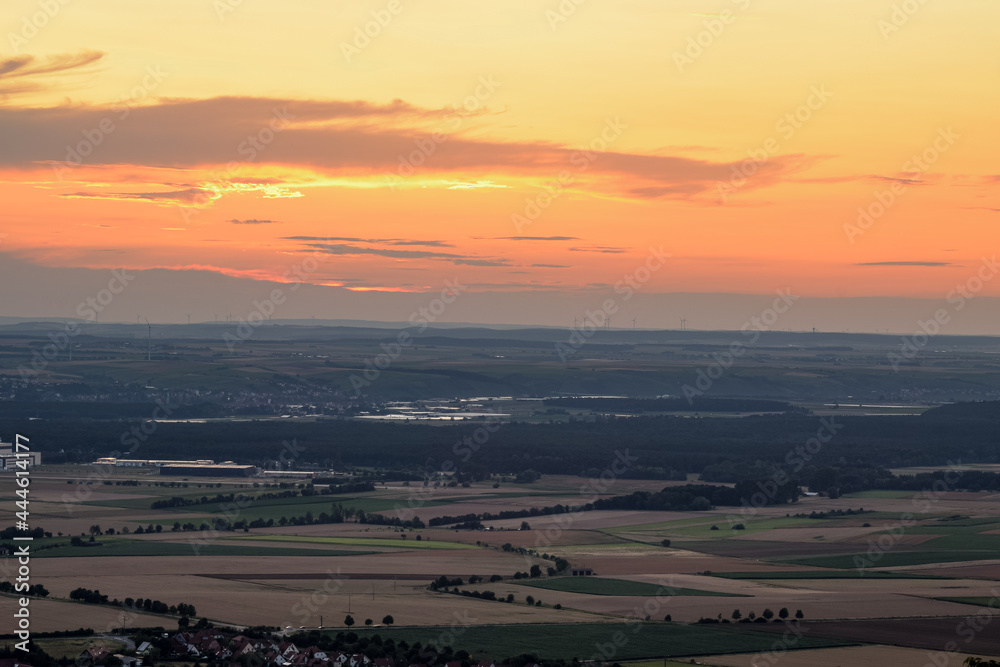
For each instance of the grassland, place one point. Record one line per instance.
(594, 640)
(361, 542)
(820, 574)
(211, 547)
(71, 647)
(604, 586)
(891, 559)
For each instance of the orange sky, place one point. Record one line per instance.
(511, 144)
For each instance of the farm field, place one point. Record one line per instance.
(289, 576)
(837, 657)
(599, 586)
(596, 640)
(359, 542)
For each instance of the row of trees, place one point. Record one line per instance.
(765, 616)
(145, 604)
(386, 620)
(178, 501)
(34, 590)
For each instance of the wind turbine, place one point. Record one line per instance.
(684, 324)
(149, 340)
(633, 323)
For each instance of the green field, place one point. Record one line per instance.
(72, 647)
(891, 559)
(260, 509)
(820, 574)
(885, 494)
(212, 547)
(589, 640)
(396, 543)
(602, 586)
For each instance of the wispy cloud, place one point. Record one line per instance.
(188, 196)
(252, 221)
(22, 74)
(904, 264)
(598, 248)
(348, 249)
(537, 238)
(343, 138)
(352, 239)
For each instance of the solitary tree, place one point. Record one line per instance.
(768, 614)
(349, 621)
(368, 621)
(95, 530)
(783, 613)
(799, 614)
(387, 620)
(530, 599)
(736, 615)
(665, 543)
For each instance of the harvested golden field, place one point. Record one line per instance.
(817, 533)
(437, 562)
(815, 604)
(301, 601)
(973, 570)
(52, 615)
(597, 519)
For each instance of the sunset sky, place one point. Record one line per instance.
(523, 146)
